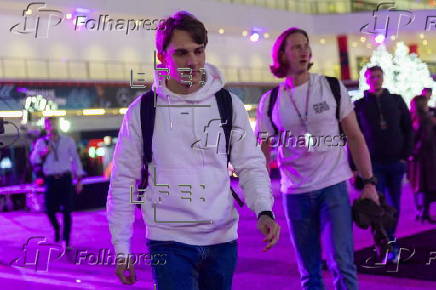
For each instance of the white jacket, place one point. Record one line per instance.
(188, 199)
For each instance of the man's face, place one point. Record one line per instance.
(49, 125)
(183, 52)
(374, 79)
(427, 93)
(297, 53)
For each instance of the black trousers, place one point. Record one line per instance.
(59, 197)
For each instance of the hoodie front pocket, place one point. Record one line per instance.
(179, 195)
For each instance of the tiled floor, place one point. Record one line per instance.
(273, 270)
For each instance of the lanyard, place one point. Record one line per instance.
(383, 124)
(302, 121)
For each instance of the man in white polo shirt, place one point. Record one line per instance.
(312, 160)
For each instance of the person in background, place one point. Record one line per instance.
(422, 163)
(428, 92)
(385, 122)
(57, 154)
(313, 182)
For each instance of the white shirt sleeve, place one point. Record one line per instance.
(347, 105)
(126, 171)
(249, 162)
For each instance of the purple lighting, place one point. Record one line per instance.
(82, 10)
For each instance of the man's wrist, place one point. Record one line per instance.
(369, 181)
(267, 213)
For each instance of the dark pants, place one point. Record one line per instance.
(189, 267)
(390, 177)
(59, 196)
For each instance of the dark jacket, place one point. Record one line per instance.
(396, 141)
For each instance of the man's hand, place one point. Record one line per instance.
(270, 229)
(122, 268)
(370, 192)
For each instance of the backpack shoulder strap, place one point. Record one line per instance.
(225, 107)
(336, 91)
(272, 101)
(148, 114)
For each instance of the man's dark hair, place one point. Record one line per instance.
(373, 69)
(427, 90)
(278, 68)
(184, 21)
(52, 119)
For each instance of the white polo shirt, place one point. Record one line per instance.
(305, 169)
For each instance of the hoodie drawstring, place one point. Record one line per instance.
(196, 136)
(169, 112)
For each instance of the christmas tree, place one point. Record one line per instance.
(405, 74)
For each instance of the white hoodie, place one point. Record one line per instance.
(188, 198)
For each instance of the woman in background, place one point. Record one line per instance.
(422, 164)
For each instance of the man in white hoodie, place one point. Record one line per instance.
(188, 205)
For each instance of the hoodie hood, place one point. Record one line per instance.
(214, 82)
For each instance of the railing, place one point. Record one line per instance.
(329, 6)
(18, 69)
(116, 71)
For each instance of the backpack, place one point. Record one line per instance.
(336, 91)
(148, 115)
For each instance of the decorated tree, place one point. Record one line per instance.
(405, 74)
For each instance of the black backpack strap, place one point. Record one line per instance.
(272, 102)
(148, 114)
(336, 91)
(225, 107)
